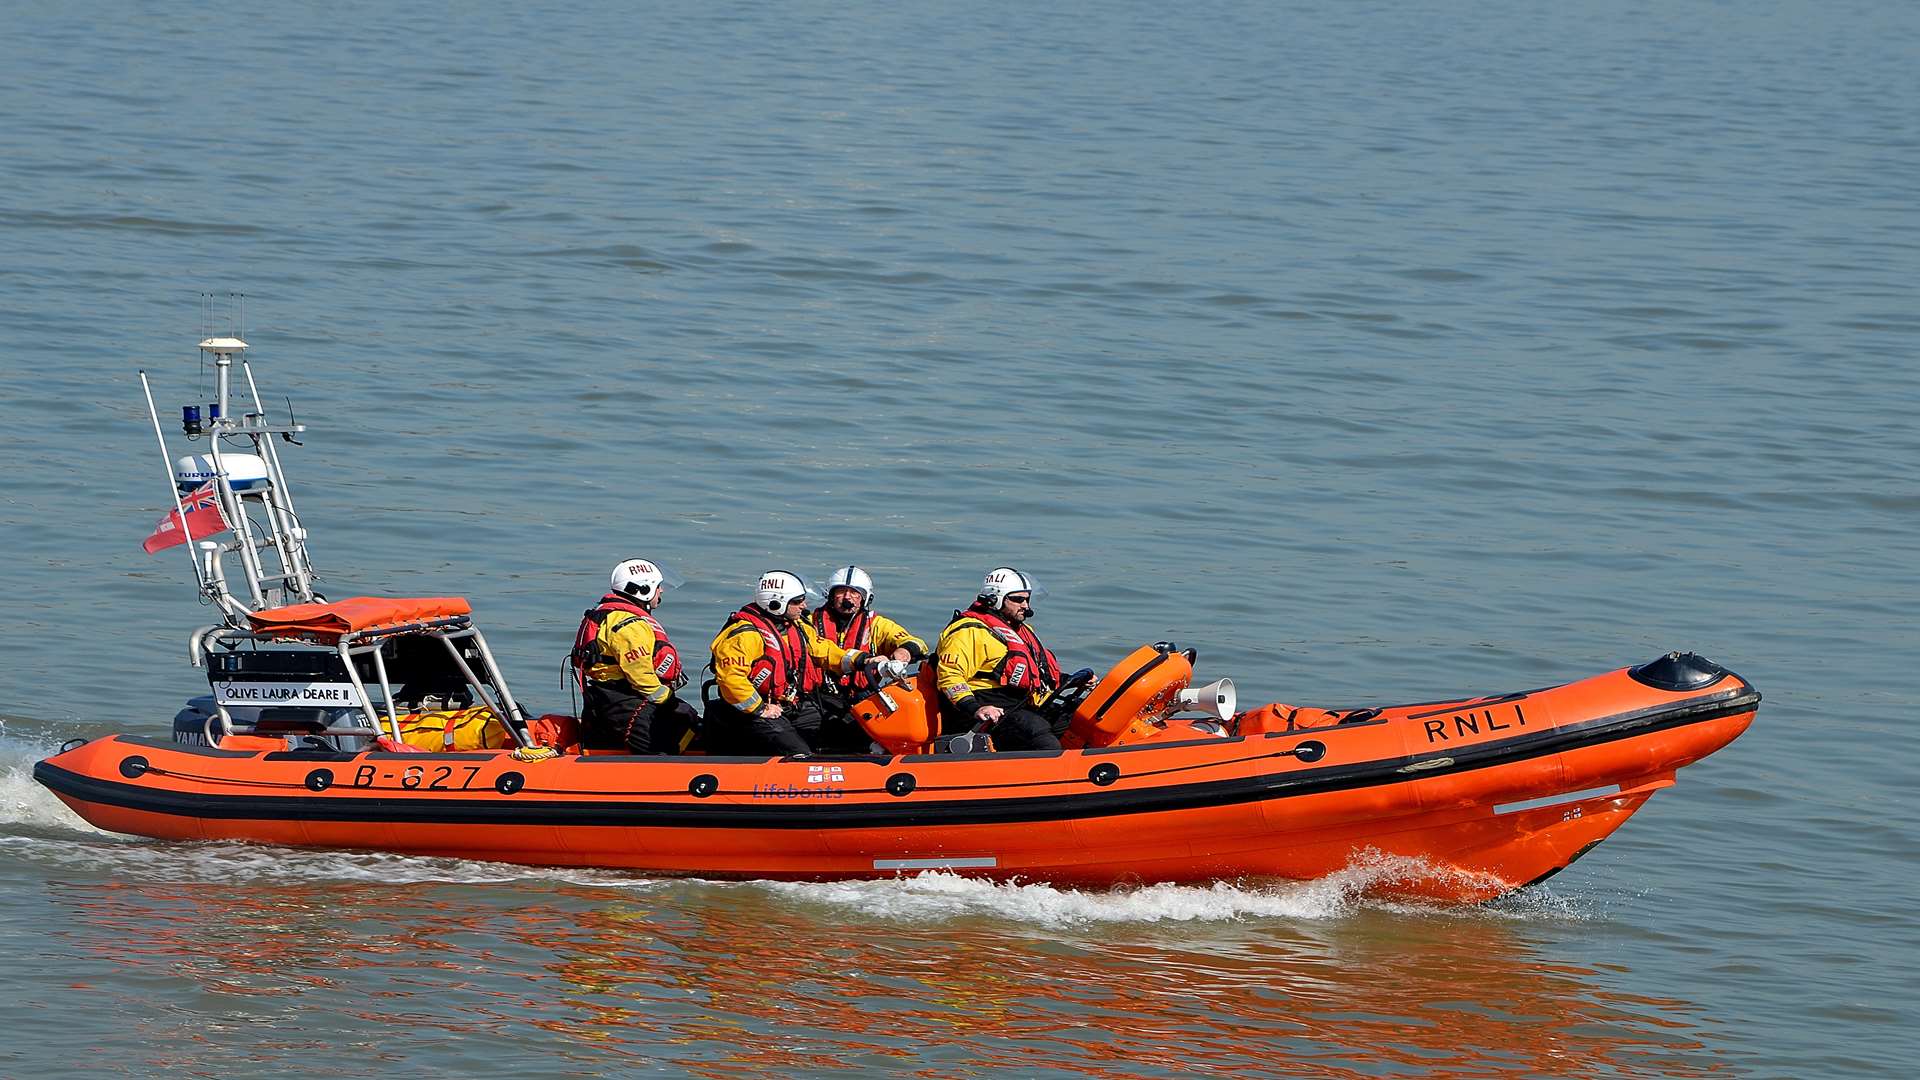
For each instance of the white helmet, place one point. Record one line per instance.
(1002, 580)
(643, 579)
(852, 577)
(780, 590)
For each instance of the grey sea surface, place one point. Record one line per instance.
(1381, 352)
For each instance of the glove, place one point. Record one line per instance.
(892, 671)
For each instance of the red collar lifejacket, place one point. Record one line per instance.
(586, 642)
(855, 636)
(1028, 665)
(774, 674)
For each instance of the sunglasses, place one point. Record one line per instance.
(1024, 600)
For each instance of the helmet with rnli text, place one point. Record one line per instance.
(780, 591)
(1001, 582)
(642, 579)
(852, 577)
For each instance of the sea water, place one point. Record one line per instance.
(1379, 352)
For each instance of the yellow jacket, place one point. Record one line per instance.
(969, 658)
(744, 656)
(631, 640)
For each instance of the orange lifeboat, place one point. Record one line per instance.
(1485, 794)
(384, 724)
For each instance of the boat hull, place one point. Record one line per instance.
(1456, 801)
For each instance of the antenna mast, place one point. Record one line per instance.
(242, 465)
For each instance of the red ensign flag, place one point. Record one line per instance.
(204, 519)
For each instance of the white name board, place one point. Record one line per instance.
(286, 693)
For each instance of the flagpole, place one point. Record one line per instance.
(193, 556)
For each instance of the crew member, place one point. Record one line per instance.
(768, 666)
(848, 620)
(993, 671)
(627, 669)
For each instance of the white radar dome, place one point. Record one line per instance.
(245, 472)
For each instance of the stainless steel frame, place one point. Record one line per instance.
(293, 582)
(490, 691)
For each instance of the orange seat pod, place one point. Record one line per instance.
(904, 718)
(1139, 690)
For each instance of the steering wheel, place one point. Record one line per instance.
(1073, 690)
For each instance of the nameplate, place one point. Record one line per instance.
(336, 694)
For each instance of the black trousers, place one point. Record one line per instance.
(810, 727)
(839, 731)
(613, 717)
(736, 732)
(1021, 726)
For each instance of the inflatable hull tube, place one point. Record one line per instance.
(1458, 801)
